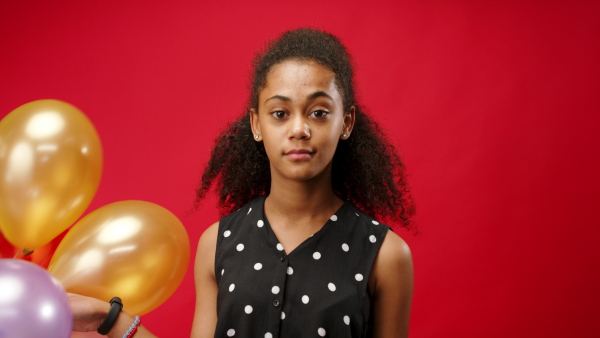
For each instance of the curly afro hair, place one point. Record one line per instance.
(366, 169)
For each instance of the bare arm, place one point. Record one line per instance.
(391, 284)
(205, 317)
(89, 313)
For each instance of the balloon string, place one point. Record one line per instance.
(25, 252)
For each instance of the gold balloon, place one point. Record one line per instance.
(50, 168)
(134, 250)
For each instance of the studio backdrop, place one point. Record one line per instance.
(492, 105)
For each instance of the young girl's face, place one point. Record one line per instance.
(300, 119)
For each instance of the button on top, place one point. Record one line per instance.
(275, 303)
(283, 258)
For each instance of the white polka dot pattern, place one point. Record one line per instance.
(256, 275)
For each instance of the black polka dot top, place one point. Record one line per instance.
(317, 290)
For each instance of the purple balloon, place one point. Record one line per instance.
(33, 303)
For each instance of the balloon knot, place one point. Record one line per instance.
(25, 252)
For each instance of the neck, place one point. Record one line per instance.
(299, 201)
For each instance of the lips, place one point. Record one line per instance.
(299, 154)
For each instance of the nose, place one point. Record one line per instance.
(299, 127)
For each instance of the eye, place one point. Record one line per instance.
(279, 114)
(319, 114)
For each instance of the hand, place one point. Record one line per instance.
(88, 313)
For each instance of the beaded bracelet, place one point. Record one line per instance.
(133, 328)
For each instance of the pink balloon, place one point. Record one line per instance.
(33, 303)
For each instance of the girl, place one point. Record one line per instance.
(301, 174)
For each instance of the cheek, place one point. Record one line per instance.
(335, 132)
(271, 145)
(331, 143)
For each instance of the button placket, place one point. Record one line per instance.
(279, 279)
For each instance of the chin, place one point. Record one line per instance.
(307, 175)
(302, 177)
(304, 172)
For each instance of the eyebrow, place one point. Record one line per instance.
(310, 97)
(320, 94)
(279, 97)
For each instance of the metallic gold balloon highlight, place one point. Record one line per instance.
(134, 250)
(50, 168)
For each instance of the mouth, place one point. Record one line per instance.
(299, 154)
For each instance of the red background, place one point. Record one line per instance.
(494, 106)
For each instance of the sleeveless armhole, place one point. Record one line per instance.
(223, 224)
(379, 232)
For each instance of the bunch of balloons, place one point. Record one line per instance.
(50, 168)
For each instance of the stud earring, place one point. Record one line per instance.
(256, 137)
(344, 134)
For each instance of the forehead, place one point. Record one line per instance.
(299, 78)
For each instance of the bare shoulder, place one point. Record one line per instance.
(394, 252)
(209, 236)
(391, 285)
(393, 265)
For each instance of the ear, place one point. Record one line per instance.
(255, 125)
(349, 118)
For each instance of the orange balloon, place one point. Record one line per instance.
(40, 256)
(50, 168)
(134, 250)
